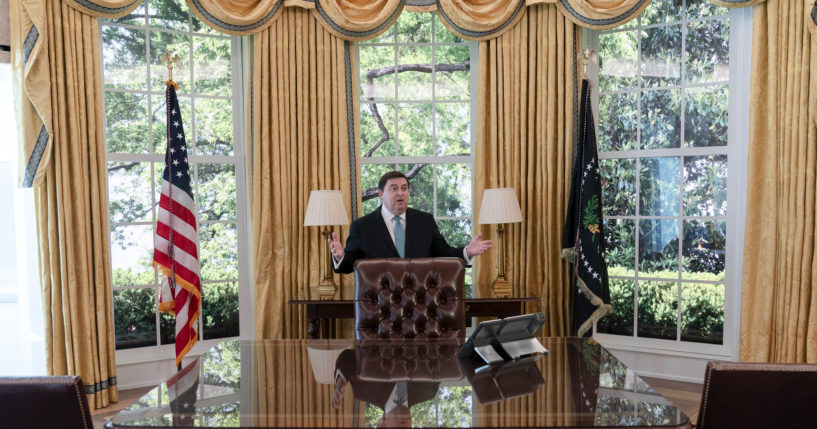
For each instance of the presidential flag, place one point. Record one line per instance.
(583, 239)
(176, 237)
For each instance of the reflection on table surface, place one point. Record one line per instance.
(394, 383)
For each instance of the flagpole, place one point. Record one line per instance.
(169, 58)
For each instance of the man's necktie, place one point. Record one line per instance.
(399, 237)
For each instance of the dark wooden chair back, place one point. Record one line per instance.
(758, 395)
(44, 402)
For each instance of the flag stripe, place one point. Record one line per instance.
(179, 240)
(189, 275)
(179, 195)
(180, 211)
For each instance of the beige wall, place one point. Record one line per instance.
(4, 31)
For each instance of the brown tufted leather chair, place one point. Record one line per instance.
(758, 395)
(44, 402)
(409, 298)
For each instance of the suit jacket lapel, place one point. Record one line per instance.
(383, 231)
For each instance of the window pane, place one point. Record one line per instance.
(124, 57)
(704, 249)
(703, 8)
(661, 119)
(660, 186)
(452, 74)
(618, 121)
(377, 133)
(219, 251)
(168, 14)
(216, 191)
(661, 56)
(377, 77)
(657, 309)
(421, 196)
(661, 11)
(126, 125)
(702, 316)
(132, 255)
(212, 66)
(201, 27)
(220, 310)
(618, 59)
(159, 121)
(454, 190)
(658, 248)
(707, 116)
(619, 237)
(707, 55)
(130, 191)
(415, 136)
(214, 127)
(414, 28)
(161, 42)
(134, 321)
(369, 175)
(453, 129)
(457, 232)
(618, 187)
(415, 82)
(705, 185)
(620, 322)
(167, 328)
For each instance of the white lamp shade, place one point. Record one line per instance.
(325, 208)
(499, 205)
(322, 357)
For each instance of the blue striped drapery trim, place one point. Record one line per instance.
(103, 11)
(232, 28)
(736, 3)
(90, 389)
(360, 35)
(469, 34)
(602, 23)
(36, 157)
(28, 44)
(350, 126)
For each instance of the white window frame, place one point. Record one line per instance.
(430, 159)
(740, 48)
(239, 81)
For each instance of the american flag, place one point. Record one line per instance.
(175, 243)
(182, 391)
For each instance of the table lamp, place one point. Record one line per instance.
(322, 357)
(499, 206)
(325, 208)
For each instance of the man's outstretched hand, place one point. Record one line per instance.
(335, 247)
(477, 246)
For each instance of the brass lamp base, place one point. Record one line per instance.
(502, 289)
(327, 291)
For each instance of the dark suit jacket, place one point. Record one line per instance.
(369, 238)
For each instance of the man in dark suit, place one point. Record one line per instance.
(394, 230)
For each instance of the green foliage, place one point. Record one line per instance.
(702, 306)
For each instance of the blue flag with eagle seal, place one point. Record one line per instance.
(583, 239)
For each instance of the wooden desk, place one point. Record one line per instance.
(320, 313)
(294, 383)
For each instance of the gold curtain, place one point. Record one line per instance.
(601, 14)
(71, 197)
(524, 141)
(736, 3)
(779, 294)
(300, 142)
(282, 388)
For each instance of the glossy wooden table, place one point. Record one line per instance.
(337, 383)
(319, 314)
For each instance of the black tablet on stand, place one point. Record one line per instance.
(505, 339)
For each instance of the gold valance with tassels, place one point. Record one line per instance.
(348, 19)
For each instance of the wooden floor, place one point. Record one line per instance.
(686, 396)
